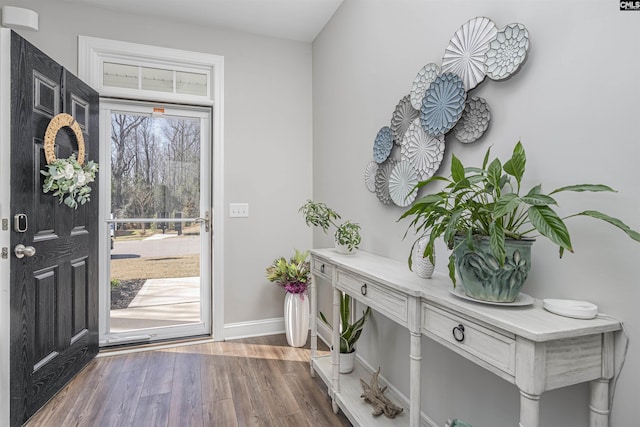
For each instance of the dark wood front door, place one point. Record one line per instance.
(54, 293)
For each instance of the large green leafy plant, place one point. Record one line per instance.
(489, 201)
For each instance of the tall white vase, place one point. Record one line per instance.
(296, 318)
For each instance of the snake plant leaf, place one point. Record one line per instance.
(613, 221)
(457, 170)
(584, 187)
(550, 225)
(345, 309)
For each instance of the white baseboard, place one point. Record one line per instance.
(324, 332)
(254, 328)
(259, 328)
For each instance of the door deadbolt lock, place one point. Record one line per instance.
(20, 223)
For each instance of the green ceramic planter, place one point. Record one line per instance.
(481, 275)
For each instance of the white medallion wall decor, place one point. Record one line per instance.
(402, 117)
(425, 76)
(402, 181)
(474, 121)
(507, 51)
(439, 104)
(425, 152)
(465, 54)
(370, 176)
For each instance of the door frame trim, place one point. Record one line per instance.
(5, 213)
(216, 62)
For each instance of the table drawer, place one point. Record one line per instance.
(376, 296)
(322, 268)
(469, 338)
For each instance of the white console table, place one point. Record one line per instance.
(527, 346)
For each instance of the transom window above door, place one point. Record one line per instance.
(120, 75)
(133, 71)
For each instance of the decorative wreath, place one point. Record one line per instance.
(54, 126)
(67, 178)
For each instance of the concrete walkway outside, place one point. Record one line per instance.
(160, 302)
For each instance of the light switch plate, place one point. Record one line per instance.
(238, 210)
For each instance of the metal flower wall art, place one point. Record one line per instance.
(440, 102)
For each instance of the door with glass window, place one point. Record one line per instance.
(156, 222)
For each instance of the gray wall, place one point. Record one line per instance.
(268, 132)
(573, 105)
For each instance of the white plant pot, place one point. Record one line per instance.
(420, 264)
(296, 319)
(344, 249)
(347, 361)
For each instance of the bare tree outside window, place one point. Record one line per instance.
(155, 166)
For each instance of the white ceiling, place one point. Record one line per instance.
(299, 20)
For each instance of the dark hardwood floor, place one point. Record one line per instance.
(250, 382)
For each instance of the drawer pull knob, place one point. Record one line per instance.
(322, 268)
(458, 333)
(363, 289)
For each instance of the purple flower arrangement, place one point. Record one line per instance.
(292, 275)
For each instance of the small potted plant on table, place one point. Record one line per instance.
(349, 332)
(347, 236)
(487, 221)
(293, 276)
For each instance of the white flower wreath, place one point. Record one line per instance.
(69, 180)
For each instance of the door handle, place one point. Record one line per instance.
(22, 251)
(204, 220)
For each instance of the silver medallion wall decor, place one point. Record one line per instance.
(370, 176)
(438, 103)
(474, 121)
(402, 117)
(382, 181)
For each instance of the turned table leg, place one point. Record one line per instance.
(529, 409)
(414, 379)
(599, 405)
(314, 326)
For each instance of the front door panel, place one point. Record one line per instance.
(54, 293)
